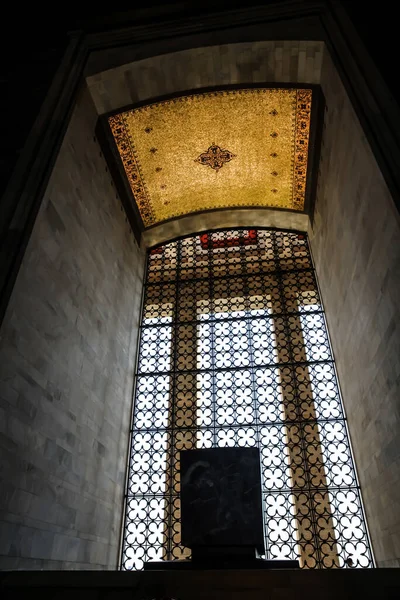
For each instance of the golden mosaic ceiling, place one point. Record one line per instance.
(213, 150)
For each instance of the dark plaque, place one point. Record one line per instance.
(221, 509)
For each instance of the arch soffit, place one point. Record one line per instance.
(291, 61)
(220, 219)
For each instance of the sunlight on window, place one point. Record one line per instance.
(234, 351)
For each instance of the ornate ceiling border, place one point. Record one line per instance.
(127, 175)
(134, 172)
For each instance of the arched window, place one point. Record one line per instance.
(234, 351)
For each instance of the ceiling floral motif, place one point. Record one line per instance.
(212, 150)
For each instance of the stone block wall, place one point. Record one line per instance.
(283, 61)
(356, 246)
(67, 351)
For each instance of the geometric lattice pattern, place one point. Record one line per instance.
(234, 351)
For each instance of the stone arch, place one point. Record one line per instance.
(189, 224)
(279, 61)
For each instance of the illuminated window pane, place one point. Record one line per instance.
(234, 351)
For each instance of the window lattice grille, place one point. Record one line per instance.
(234, 352)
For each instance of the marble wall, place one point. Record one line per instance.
(282, 61)
(67, 350)
(356, 246)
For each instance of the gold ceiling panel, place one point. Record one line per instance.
(213, 150)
